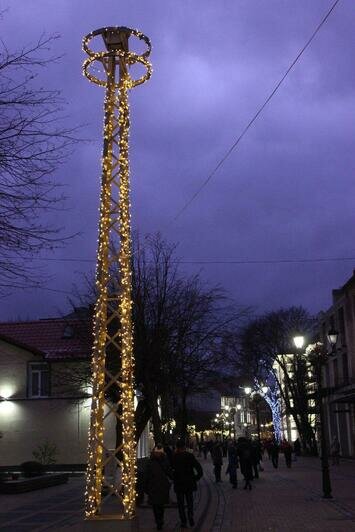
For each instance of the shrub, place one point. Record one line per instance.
(32, 469)
(46, 453)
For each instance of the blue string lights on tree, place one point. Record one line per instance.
(272, 397)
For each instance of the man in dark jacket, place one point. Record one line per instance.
(255, 457)
(232, 464)
(157, 484)
(246, 464)
(287, 448)
(186, 472)
(275, 449)
(217, 458)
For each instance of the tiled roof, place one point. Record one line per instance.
(57, 338)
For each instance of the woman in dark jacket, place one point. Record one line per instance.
(157, 484)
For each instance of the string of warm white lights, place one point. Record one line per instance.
(114, 306)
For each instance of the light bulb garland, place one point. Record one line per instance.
(114, 222)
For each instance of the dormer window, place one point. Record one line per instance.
(68, 332)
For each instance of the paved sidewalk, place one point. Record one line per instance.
(290, 500)
(281, 500)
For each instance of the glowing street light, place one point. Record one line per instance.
(332, 337)
(298, 341)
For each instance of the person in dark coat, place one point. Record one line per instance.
(169, 454)
(157, 484)
(287, 448)
(187, 471)
(232, 464)
(255, 457)
(225, 448)
(268, 446)
(335, 450)
(205, 450)
(246, 465)
(217, 459)
(297, 447)
(275, 449)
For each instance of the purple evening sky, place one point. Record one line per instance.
(285, 193)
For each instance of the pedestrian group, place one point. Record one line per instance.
(181, 469)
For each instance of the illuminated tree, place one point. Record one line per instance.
(269, 338)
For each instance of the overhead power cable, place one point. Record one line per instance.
(217, 260)
(256, 115)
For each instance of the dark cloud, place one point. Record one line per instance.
(286, 192)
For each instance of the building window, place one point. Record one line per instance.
(38, 379)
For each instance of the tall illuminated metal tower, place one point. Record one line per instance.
(113, 310)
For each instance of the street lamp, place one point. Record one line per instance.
(317, 356)
(332, 337)
(298, 341)
(256, 400)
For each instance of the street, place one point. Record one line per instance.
(281, 500)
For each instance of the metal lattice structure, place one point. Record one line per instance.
(113, 310)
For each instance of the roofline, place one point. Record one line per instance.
(26, 322)
(27, 347)
(340, 291)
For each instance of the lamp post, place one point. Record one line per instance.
(317, 357)
(256, 400)
(332, 338)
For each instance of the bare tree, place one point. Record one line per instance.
(180, 325)
(179, 330)
(33, 142)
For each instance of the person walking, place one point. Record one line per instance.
(275, 454)
(205, 450)
(335, 450)
(225, 447)
(217, 459)
(287, 448)
(232, 464)
(255, 457)
(187, 471)
(297, 447)
(246, 465)
(268, 446)
(157, 483)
